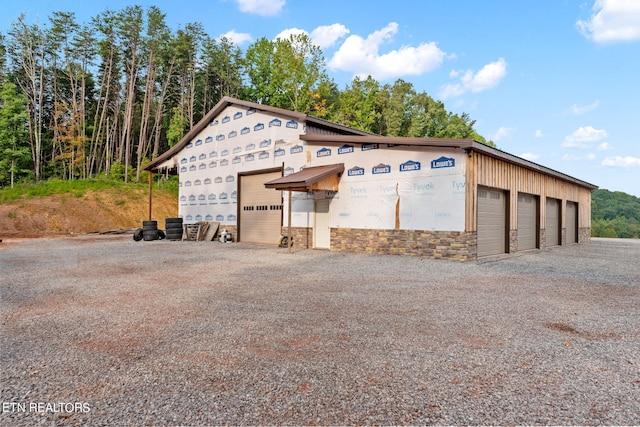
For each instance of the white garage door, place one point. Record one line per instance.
(527, 222)
(260, 209)
(492, 222)
(552, 221)
(572, 222)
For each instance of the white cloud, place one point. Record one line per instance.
(285, 34)
(261, 7)
(502, 133)
(581, 109)
(612, 21)
(530, 156)
(621, 162)
(362, 56)
(488, 77)
(539, 133)
(237, 38)
(583, 136)
(604, 146)
(327, 35)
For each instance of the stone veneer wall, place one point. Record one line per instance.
(302, 236)
(584, 234)
(452, 245)
(513, 241)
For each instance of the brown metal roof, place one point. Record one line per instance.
(303, 180)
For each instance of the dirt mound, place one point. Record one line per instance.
(64, 214)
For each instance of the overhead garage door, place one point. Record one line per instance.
(572, 222)
(527, 221)
(260, 209)
(491, 222)
(552, 220)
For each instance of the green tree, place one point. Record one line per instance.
(222, 69)
(286, 73)
(28, 51)
(177, 126)
(360, 105)
(14, 149)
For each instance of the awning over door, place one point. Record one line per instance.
(309, 179)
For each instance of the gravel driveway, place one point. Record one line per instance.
(102, 330)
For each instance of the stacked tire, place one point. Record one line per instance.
(149, 230)
(173, 227)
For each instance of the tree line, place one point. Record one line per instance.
(106, 96)
(615, 214)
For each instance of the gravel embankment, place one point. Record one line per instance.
(195, 333)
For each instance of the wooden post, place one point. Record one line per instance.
(150, 192)
(289, 238)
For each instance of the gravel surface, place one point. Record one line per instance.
(102, 330)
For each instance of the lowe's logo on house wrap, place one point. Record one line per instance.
(443, 162)
(323, 152)
(355, 171)
(381, 168)
(345, 149)
(409, 165)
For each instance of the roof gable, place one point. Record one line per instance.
(226, 102)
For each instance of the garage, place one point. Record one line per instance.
(572, 222)
(260, 209)
(527, 222)
(552, 220)
(456, 199)
(492, 222)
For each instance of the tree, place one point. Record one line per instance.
(360, 105)
(27, 49)
(14, 151)
(157, 38)
(129, 24)
(3, 58)
(222, 69)
(286, 73)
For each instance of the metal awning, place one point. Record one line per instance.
(309, 179)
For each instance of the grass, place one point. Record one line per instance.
(79, 188)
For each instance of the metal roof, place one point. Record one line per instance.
(301, 181)
(339, 134)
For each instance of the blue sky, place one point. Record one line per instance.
(553, 81)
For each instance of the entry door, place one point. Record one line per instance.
(321, 229)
